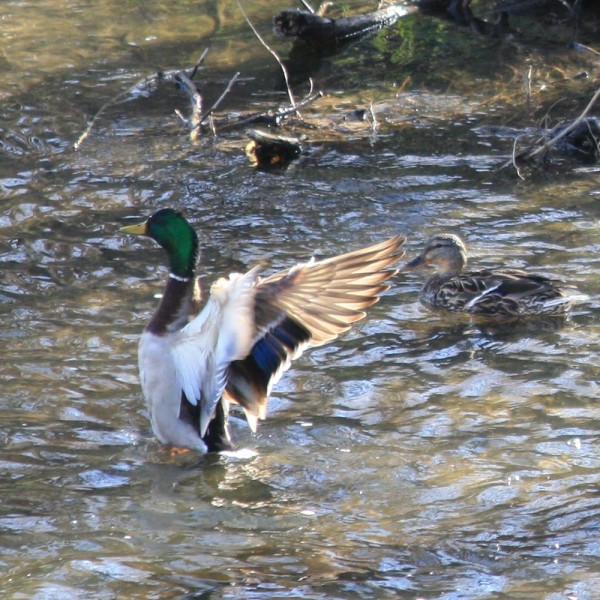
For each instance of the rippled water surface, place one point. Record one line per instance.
(419, 455)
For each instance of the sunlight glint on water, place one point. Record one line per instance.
(418, 454)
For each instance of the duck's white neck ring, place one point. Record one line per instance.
(179, 278)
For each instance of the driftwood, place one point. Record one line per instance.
(318, 37)
(580, 139)
(270, 117)
(148, 85)
(183, 80)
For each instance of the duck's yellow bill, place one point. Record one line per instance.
(139, 229)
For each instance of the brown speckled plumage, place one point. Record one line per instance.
(498, 292)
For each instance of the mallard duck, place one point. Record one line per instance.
(500, 292)
(194, 363)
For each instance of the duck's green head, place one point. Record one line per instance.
(170, 229)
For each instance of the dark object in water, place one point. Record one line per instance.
(326, 31)
(493, 15)
(583, 142)
(267, 150)
(552, 9)
(317, 38)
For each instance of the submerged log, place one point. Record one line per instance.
(321, 30)
(317, 37)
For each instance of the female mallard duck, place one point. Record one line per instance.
(194, 364)
(500, 292)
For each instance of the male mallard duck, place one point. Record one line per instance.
(501, 292)
(193, 365)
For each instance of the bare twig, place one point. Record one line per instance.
(172, 75)
(197, 119)
(586, 49)
(527, 87)
(198, 63)
(144, 82)
(514, 159)
(186, 84)
(273, 53)
(211, 124)
(374, 124)
(307, 6)
(220, 99)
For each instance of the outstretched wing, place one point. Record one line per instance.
(222, 332)
(307, 305)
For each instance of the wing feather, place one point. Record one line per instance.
(307, 305)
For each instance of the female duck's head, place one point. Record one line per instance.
(446, 251)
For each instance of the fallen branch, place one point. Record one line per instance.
(220, 99)
(183, 80)
(189, 87)
(144, 87)
(323, 31)
(141, 85)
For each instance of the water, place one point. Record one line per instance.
(419, 455)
